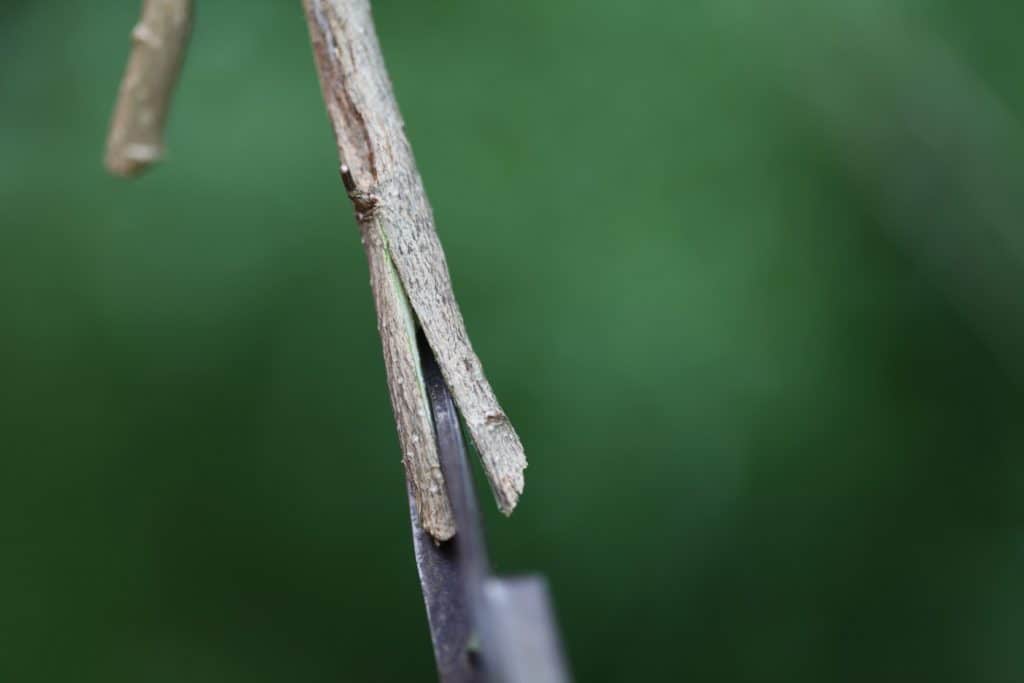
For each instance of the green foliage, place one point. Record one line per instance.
(746, 276)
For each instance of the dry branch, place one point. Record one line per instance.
(410, 279)
(158, 50)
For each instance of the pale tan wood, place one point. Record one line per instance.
(398, 229)
(136, 133)
(396, 324)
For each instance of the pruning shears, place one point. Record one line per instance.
(484, 629)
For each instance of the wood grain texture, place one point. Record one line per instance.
(396, 324)
(398, 226)
(136, 133)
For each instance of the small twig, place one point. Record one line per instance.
(158, 50)
(396, 324)
(409, 274)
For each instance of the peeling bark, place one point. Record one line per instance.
(410, 279)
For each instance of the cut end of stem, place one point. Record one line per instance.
(131, 161)
(135, 141)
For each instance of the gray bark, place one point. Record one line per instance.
(409, 274)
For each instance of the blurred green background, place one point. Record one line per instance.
(747, 276)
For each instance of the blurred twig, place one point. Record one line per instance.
(159, 39)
